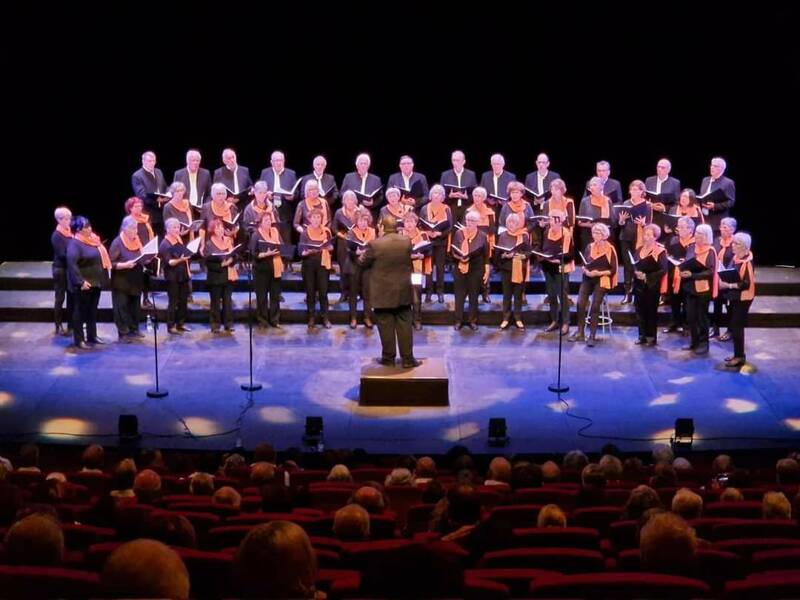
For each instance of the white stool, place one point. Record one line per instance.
(604, 318)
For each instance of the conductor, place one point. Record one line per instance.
(389, 260)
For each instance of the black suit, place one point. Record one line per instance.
(352, 181)
(468, 180)
(225, 176)
(391, 293)
(611, 188)
(285, 204)
(396, 180)
(203, 184)
(532, 183)
(145, 183)
(721, 209)
(669, 186)
(329, 190)
(506, 177)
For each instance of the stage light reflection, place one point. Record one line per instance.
(139, 379)
(199, 426)
(65, 427)
(280, 415)
(614, 375)
(739, 406)
(682, 380)
(793, 423)
(63, 371)
(20, 333)
(461, 432)
(764, 356)
(559, 406)
(665, 434)
(664, 399)
(6, 399)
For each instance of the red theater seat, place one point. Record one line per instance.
(557, 537)
(619, 585)
(563, 560)
(766, 585)
(32, 583)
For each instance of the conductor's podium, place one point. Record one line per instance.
(425, 385)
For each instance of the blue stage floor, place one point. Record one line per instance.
(629, 392)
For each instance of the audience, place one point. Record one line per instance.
(551, 515)
(340, 473)
(36, 539)
(28, 459)
(171, 529)
(687, 504)
(147, 486)
(775, 505)
(276, 560)
(370, 499)
(93, 459)
(499, 472)
(351, 523)
(144, 569)
(201, 484)
(228, 496)
(399, 476)
(641, 499)
(123, 479)
(668, 545)
(424, 470)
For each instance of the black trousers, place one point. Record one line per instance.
(394, 327)
(127, 314)
(342, 258)
(647, 310)
(467, 285)
(178, 296)
(85, 311)
(590, 287)
(268, 295)
(719, 302)
(359, 284)
(697, 318)
(60, 289)
(557, 287)
(417, 306)
(626, 246)
(315, 278)
(221, 296)
(677, 303)
(511, 291)
(737, 310)
(438, 258)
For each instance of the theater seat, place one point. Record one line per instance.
(596, 517)
(563, 560)
(767, 585)
(33, 583)
(518, 581)
(768, 528)
(619, 585)
(773, 560)
(210, 573)
(558, 537)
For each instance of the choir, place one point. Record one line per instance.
(676, 246)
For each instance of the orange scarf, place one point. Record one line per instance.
(601, 202)
(176, 239)
(321, 235)
(274, 237)
(323, 206)
(639, 228)
(225, 244)
(463, 267)
(134, 245)
(144, 219)
(399, 211)
(435, 214)
(566, 240)
(563, 205)
(676, 275)
(94, 240)
(364, 235)
(655, 252)
(420, 265)
(517, 206)
(701, 285)
(517, 263)
(606, 282)
(224, 212)
(65, 231)
(723, 247)
(746, 267)
(184, 207)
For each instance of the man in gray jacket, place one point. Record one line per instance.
(389, 261)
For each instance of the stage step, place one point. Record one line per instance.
(767, 311)
(36, 275)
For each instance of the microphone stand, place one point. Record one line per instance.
(251, 386)
(558, 387)
(158, 392)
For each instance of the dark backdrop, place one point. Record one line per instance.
(88, 91)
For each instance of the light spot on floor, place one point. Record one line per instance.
(738, 405)
(139, 379)
(63, 371)
(664, 399)
(682, 380)
(614, 375)
(461, 432)
(279, 415)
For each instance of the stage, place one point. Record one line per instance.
(629, 392)
(632, 394)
